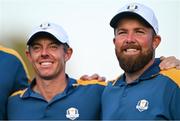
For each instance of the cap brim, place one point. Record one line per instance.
(115, 20)
(41, 34)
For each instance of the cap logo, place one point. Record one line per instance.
(132, 7)
(45, 25)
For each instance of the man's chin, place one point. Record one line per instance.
(46, 76)
(133, 64)
(130, 54)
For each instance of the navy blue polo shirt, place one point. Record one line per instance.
(153, 96)
(81, 101)
(13, 76)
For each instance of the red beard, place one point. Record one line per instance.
(134, 63)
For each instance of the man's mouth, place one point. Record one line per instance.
(46, 63)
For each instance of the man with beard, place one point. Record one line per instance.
(53, 94)
(143, 92)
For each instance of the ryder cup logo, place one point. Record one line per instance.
(132, 7)
(142, 105)
(45, 25)
(72, 113)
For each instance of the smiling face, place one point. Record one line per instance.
(135, 44)
(48, 58)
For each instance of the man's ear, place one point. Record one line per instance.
(156, 41)
(114, 40)
(28, 55)
(68, 54)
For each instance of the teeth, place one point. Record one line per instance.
(45, 63)
(131, 50)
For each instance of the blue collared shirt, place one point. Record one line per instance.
(82, 102)
(13, 76)
(152, 96)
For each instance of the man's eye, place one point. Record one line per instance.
(35, 47)
(53, 47)
(141, 32)
(122, 32)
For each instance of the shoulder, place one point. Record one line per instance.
(114, 81)
(13, 57)
(91, 82)
(7, 52)
(173, 74)
(18, 93)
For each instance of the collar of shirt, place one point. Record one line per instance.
(31, 93)
(152, 71)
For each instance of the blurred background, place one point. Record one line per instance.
(87, 24)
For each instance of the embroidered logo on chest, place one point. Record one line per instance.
(72, 113)
(142, 105)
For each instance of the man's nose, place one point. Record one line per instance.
(130, 38)
(44, 52)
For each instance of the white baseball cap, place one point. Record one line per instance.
(139, 10)
(52, 29)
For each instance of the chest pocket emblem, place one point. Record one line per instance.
(142, 105)
(72, 113)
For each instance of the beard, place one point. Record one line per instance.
(131, 64)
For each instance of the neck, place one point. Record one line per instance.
(50, 88)
(131, 77)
